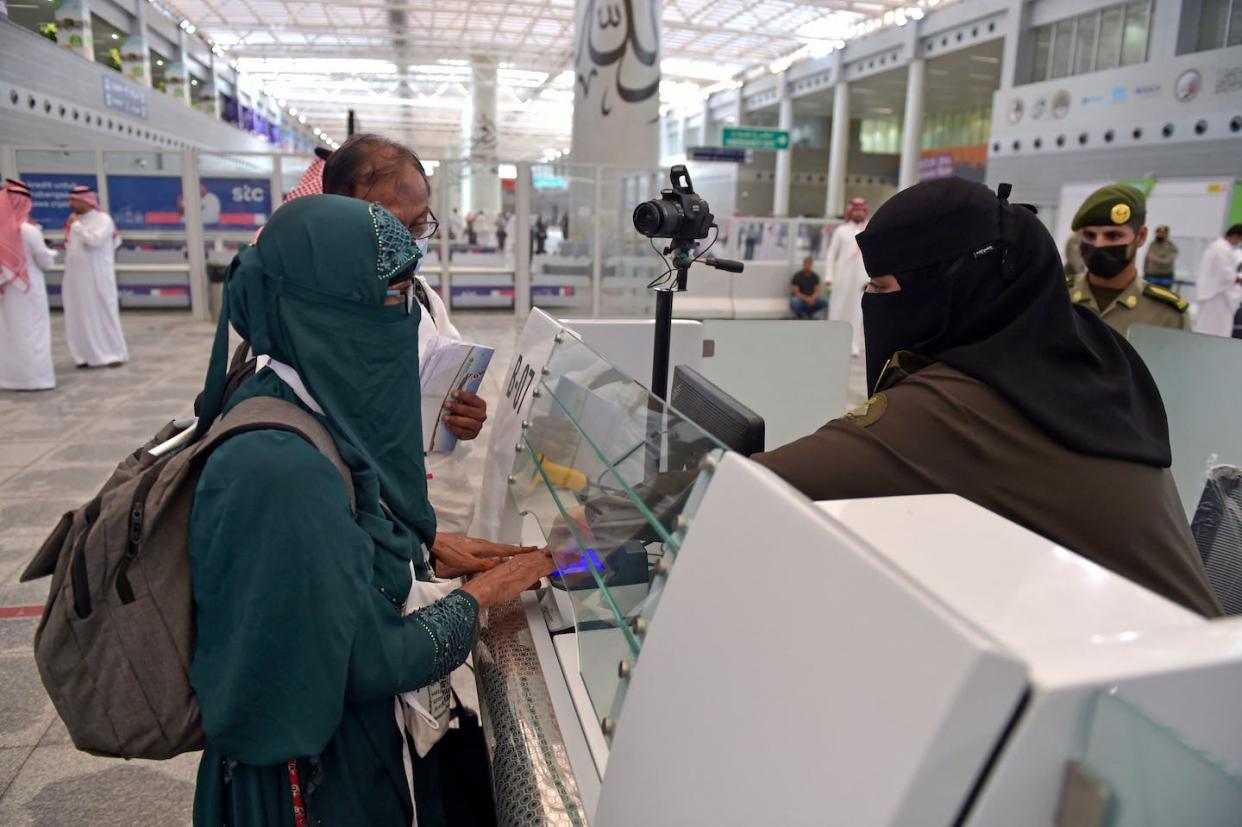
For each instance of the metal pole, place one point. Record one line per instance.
(442, 182)
(521, 241)
(101, 185)
(195, 243)
(278, 184)
(597, 246)
(350, 124)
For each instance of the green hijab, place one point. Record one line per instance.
(310, 293)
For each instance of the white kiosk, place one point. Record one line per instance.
(721, 651)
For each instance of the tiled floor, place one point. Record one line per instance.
(56, 448)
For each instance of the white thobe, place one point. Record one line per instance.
(848, 277)
(25, 329)
(89, 295)
(450, 491)
(1217, 292)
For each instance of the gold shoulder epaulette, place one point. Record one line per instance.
(869, 412)
(1166, 296)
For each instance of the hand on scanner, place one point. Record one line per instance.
(509, 579)
(457, 555)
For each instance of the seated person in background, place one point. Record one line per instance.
(990, 384)
(807, 289)
(302, 644)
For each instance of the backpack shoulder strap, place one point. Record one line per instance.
(261, 413)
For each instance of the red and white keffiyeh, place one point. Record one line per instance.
(14, 211)
(311, 183)
(84, 195)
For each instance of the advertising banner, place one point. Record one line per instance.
(49, 193)
(145, 202)
(969, 162)
(230, 203)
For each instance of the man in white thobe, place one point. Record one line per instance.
(1218, 288)
(846, 273)
(88, 292)
(25, 329)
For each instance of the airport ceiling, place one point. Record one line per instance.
(404, 65)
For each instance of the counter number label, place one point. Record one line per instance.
(520, 379)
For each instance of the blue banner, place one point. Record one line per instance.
(49, 193)
(146, 202)
(230, 203)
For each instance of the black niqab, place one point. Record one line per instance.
(983, 291)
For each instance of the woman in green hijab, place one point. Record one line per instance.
(301, 644)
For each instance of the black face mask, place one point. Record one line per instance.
(1106, 262)
(892, 322)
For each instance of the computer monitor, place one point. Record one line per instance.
(713, 410)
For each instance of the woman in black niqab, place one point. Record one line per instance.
(983, 291)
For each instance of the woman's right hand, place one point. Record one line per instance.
(509, 579)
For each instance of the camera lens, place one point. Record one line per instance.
(650, 217)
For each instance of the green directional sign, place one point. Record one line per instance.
(748, 137)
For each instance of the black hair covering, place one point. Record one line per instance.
(983, 291)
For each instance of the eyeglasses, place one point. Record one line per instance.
(425, 227)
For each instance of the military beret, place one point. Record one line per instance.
(1111, 206)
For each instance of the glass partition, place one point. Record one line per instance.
(1198, 435)
(1144, 773)
(613, 476)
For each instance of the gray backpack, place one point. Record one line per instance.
(117, 635)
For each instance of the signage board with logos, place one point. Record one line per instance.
(125, 97)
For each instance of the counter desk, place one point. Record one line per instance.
(718, 650)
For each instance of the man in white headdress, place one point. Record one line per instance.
(25, 330)
(1218, 289)
(88, 292)
(846, 273)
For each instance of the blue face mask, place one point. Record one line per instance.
(421, 244)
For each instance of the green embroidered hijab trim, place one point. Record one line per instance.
(310, 293)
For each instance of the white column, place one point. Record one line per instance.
(838, 148)
(135, 51)
(73, 28)
(177, 72)
(784, 157)
(1014, 55)
(211, 105)
(617, 104)
(912, 130)
(707, 135)
(683, 138)
(484, 138)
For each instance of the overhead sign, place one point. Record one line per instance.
(124, 97)
(548, 182)
(717, 153)
(49, 195)
(749, 137)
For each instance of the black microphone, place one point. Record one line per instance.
(726, 264)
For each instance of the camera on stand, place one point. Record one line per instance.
(679, 213)
(684, 218)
